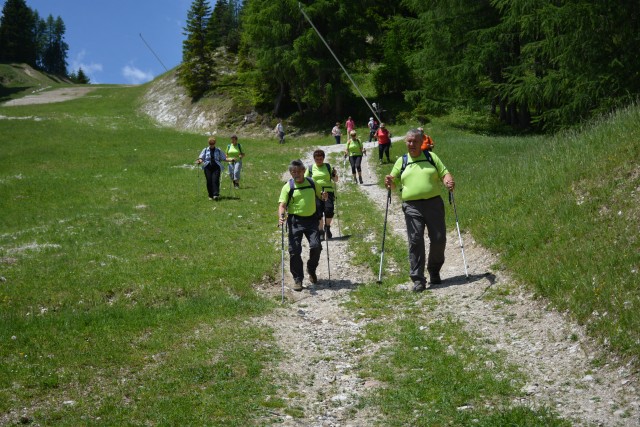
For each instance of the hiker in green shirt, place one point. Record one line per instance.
(298, 202)
(235, 154)
(324, 176)
(422, 206)
(355, 150)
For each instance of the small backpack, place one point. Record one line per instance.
(428, 158)
(331, 172)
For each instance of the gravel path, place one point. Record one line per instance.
(318, 375)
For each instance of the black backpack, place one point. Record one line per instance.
(428, 158)
(292, 188)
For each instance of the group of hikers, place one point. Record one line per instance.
(307, 201)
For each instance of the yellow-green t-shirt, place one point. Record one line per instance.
(321, 176)
(354, 147)
(303, 199)
(420, 180)
(234, 151)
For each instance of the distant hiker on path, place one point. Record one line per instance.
(336, 132)
(384, 142)
(373, 127)
(211, 159)
(235, 154)
(420, 173)
(355, 150)
(350, 125)
(298, 200)
(324, 176)
(279, 130)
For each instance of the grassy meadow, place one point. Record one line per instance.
(126, 295)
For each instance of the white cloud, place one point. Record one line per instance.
(89, 69)
(135, 75)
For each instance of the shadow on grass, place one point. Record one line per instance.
(6, 92)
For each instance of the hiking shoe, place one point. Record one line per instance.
(216, 197)
(328, 230)
(297, 286)
(434, 278)
(312, 277)
(361, 180)
(418, 286)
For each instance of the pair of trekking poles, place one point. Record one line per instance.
(384, 233)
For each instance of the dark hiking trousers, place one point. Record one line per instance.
(419, 214)
(212, 174)
(298, 227)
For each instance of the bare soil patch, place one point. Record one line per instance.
(47, 97)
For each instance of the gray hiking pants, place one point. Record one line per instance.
(299, 227)
(417, 215)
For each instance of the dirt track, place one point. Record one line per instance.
(49, 96)
(315, 331)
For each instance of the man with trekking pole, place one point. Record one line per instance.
(297, 208)
(420, 173)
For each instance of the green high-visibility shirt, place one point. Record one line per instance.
(303, 199)
(420, 180)
(321, 176)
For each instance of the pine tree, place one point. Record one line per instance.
(54, 58)
(17, 27)
(81, 77)
(196, 72)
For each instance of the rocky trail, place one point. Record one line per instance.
(318, 375)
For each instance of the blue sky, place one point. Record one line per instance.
(104, 36)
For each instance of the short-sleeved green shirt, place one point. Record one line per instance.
(321, 176)
(303, 199)
(420, 180)
(233, 150)
(354, 147)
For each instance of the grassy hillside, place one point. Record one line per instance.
(126, 295)
(17, 80)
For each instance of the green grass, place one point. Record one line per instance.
(562, 211)
(129, 293)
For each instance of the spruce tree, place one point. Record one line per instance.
(196, 72)
(17, 28)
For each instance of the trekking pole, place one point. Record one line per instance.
(282, 258)
(335, 207)
(384, 233)
(197, 179)
(232, 171)
(326, 239)
(464, 260)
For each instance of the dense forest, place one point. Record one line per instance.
(27, 38)
(533, 65)
(540, 64)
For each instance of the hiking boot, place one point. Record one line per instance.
(418, 286)
(236, 184)
(216, 197)
(360, 180)
(297, 286)
(312, 277)
(328, 230)
(434, 278)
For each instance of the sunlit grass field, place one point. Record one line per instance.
(127, 296)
